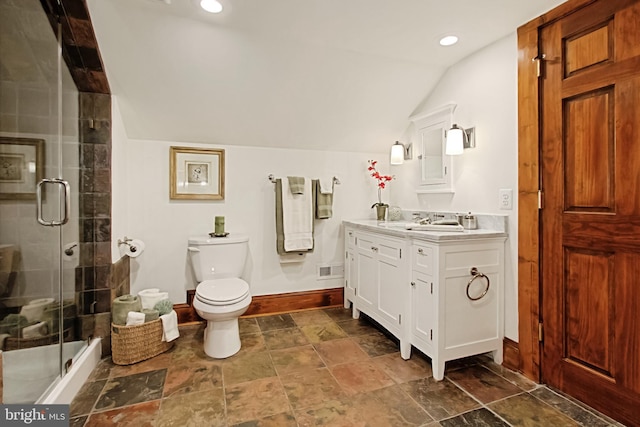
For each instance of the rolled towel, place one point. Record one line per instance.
(150, 314)
(150, 297)
(135, 318)
(16, 332)
(40, 329)
(164, 307)
(34, 309)
(12, 321)
(121, 306)
(170, 326)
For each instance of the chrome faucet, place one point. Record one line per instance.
(417, 218)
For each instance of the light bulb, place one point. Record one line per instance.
(211, 6)
(455, 141)
(448, 40)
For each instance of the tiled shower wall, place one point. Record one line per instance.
(98, 281)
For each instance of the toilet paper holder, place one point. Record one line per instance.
(127, 241)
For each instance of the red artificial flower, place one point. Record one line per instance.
(382, 179)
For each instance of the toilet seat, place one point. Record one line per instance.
(222, 291)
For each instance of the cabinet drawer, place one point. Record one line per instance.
(382, 247)
(422, 257)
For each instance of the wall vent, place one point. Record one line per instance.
(331, 271)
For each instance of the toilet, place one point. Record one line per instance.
(221, 295)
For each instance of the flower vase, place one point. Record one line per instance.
(381, 211)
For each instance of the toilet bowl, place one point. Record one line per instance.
(221, 295)
(220, 302)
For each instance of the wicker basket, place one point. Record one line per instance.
(132, 344)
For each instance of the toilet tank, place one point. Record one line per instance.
(218, 257)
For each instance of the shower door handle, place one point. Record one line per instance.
(67, 202)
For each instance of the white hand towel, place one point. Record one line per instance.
(135, 318)
(297, 218)
(326, 185)
(40, 329)
(150, 297)
(170, 326)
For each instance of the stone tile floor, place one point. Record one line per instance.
(316, 367)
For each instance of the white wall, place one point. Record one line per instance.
(142, 209)
(484, 87)
(119, 179)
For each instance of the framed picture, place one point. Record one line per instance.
(21, 167)
(196, 173)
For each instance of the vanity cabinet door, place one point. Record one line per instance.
(392, 279)
(423, 309)
(366, 273)
(382, 280)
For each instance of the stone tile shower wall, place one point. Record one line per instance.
(98, 282)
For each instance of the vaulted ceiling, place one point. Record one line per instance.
(324, 74)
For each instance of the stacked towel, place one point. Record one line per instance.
(135, 318)
(150, 297)
(324, 199)
(170, 326)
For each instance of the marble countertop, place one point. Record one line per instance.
(396, 229)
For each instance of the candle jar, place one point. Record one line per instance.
(218, 228)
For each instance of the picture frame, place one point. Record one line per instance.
(21, 167)
(196, 173)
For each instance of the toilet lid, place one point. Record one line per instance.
(222, 291)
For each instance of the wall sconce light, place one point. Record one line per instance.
(400, 153)
(458, 139)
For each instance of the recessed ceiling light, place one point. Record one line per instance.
(211, 6)
(448, 40)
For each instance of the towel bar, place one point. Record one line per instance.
(272, 178)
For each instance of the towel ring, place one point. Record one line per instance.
(475, 273)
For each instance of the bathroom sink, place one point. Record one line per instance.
(435, 227)
(444, 225)
(402, 225)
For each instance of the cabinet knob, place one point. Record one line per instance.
(351, 233)
(420, 251)
(413, 283)
(373, 248)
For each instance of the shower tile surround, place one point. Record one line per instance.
(98, 281)
(282, 377)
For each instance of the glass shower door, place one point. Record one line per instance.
(38, 219)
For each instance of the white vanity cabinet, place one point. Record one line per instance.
(457, 313)
(444, 295)
(379, 271)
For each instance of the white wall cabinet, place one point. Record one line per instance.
(429, 298)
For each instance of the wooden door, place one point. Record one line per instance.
(590, 220)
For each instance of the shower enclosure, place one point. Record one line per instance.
(39, 207)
